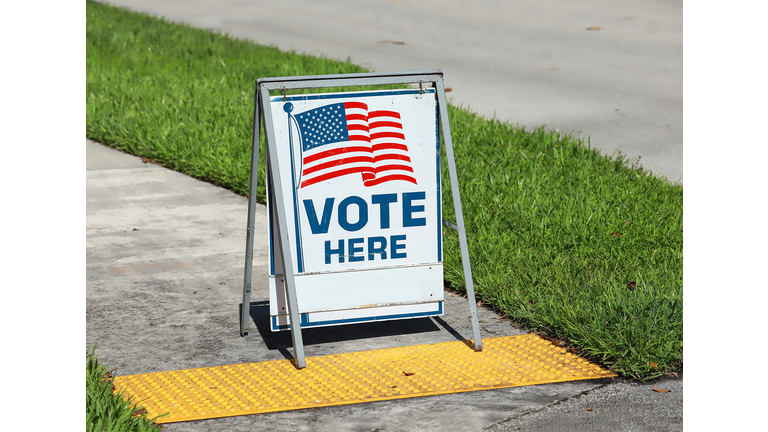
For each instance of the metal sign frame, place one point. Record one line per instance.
(262, 114)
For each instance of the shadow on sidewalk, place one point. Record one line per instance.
(282, 342)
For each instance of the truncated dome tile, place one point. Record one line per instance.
(356, 377)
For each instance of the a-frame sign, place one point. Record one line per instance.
(354, 201)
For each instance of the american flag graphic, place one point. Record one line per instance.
(345, 138)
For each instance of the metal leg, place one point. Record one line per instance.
(285, 242)
(246, 306)
(478, 342)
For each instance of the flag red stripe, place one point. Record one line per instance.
(358, 105)
(337, 162)
(357, 117)
(359, 138)
(335, 174)
(329, 153)
(394, 167)
(385, 124)
(380, 180)
(391, 157)
(383, 114)
(379, 135)
(354, 127)
(380, 147)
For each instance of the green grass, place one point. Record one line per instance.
(105, 410)
(180, 96)
(556, 232)
(543, 210)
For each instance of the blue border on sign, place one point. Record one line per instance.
(305, 323)
(269, 228)
(355, 95)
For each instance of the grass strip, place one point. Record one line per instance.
(180, 96)
(582, 246)
(563, 239)
(105, 410)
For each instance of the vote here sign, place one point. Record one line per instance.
(361, 185)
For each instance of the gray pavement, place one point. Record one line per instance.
(164, 268)
(531, 62)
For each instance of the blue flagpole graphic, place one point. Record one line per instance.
(288, 107)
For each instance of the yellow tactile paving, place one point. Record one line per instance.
(340, 379)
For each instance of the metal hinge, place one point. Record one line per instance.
(450, 224)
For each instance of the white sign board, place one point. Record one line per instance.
(361, 185)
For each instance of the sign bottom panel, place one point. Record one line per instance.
(360, 315)
(362, 288)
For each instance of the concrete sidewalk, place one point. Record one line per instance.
(165, 256)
